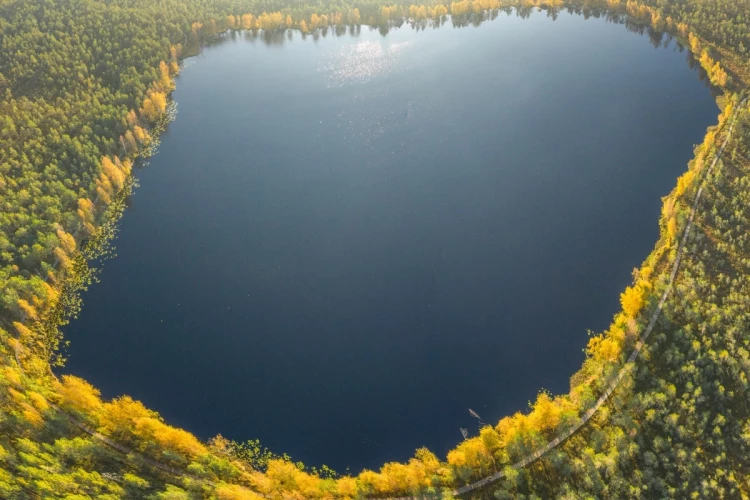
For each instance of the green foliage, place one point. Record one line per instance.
(84, 88)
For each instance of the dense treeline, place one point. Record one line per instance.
(85, 88)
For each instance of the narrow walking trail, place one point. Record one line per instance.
(532, 457)
(630, 364)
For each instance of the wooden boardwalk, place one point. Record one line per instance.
(630, 364)
(528, 459)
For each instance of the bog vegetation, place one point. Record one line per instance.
(85, 91)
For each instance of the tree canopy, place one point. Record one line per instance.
(85, 91)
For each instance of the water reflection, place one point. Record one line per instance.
(364, 61)
(367, 60)
(343, 246)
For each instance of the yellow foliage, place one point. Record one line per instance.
(248, 22)
(719, 77)
(131, 118)
(634, 298)
(38, 401)
(235, 492)
(17, 396)
(79, 395)
(456, 458)
(354, 17)
(165, 81)
(50, 294)
(545, 415)
(346, 487)
(104, 190)
(12, 375)
(61, 257)
(141, 135)
(470, 453)
(119, 416)
(86, 210)
(154, 105)
(490, 439)
(31, 415)
(308, 485)
(67, 242)
(128, 141)
(603, 348)
(368, 480)
(441, 10)
(113, 173)
(28, 310)
(672, 229)
(509, 428)
(124, 165)
(171, 438)
(24, 333)
(283, 474)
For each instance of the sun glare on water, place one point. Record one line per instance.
(363, 62)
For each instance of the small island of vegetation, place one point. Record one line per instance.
(86, 87)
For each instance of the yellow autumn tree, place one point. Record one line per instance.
(346, 487)
(66, 240)
(171, 438)
(104, 190)
(353, 16)
(512, 428)
(118, 417)
(235, 492)
(490, 440)
(470, 457)
(141, 135)
(28, 310)
(86, 215)
(719, 77)
(62, 258)
(165, 80)
(131, 118)
(441, 10)
(154, 105)
(77, 394)
(114, 174)
(545, 414)
(38, 401)
(672, 230)
(51, 294)
(248, 22)
(633, 299)
(24, 333)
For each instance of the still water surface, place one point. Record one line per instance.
(346, 243)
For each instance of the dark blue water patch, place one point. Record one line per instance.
(346, 243)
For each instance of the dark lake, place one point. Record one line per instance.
(344, 243)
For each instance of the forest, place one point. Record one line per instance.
(85, 90)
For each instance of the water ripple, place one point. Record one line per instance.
(363, 62)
